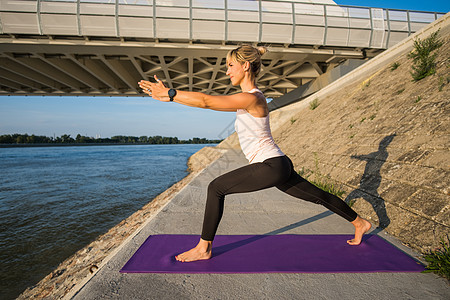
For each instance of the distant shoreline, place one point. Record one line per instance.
(88, 144)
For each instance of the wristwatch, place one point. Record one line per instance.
(172, 93)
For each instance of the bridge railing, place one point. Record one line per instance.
(265, 21)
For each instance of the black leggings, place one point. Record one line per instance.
(278, 172)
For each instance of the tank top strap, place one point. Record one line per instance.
(255, 90)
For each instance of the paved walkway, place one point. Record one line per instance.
(268, 211)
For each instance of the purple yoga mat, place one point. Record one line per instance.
(284, 253)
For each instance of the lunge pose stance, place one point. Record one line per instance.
(268, 166)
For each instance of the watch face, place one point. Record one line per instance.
(172, 93)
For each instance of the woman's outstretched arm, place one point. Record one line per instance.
(158, 91)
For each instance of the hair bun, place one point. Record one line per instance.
(262, 50)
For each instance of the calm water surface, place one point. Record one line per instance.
(55, 200)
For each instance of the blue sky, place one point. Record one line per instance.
(108, 116)
(422, 5)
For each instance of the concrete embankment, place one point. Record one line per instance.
(382, 139)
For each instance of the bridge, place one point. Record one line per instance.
(104, 47)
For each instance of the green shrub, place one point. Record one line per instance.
(423, 59)
(439, 260)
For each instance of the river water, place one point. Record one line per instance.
(56, 200)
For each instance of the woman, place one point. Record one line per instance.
(268, 165)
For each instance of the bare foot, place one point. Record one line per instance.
(201, 252)
(361, 227)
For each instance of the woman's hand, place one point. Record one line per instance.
(157, 90)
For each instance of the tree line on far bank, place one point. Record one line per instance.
(79, 139)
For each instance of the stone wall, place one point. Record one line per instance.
(384, 140)
(203, 158)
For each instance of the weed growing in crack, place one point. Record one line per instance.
(443, 82)
(394, 66)
(399, 91)
(321, 181)
(439, 259)
(366, 84)
(424, 59)
(314, 104)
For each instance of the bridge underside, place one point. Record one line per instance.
(104, 47)
(74, 66)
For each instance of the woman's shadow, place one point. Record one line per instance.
(371, 180)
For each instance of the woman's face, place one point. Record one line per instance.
(236, 72)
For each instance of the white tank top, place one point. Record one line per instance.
(255, 136)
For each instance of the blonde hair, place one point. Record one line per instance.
(248, 53)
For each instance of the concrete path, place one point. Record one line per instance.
(268, 211)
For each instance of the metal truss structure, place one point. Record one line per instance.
(104, 47)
